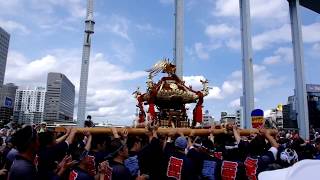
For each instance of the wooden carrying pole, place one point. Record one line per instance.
(162, 131)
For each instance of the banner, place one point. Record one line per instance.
(257, 118)
(8, 102)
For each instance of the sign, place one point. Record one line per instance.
(257, 118)
(313, 88)
(208, 170)
(175, 168)
(229, 170)
(251, 166)
(8, 102)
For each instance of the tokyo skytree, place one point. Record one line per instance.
(89, 29)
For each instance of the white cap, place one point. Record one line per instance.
(305, 169)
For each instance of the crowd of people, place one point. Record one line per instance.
(35, 153)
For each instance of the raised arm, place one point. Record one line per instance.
(89, 140)
(71, 136)
(115, 132)
(64, 137)
(236, 133)
(211, 130)
(271, 139)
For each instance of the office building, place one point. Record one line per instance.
(208, 120)
(231, 118)
(4, 46)
(7, 98)
(239, 117)
(313, 96)
(29, 105)
(59, 103)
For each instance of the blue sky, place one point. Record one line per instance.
(130, 36)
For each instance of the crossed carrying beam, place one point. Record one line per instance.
(163, 131)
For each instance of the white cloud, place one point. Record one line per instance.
(217, 31)
(201, 51)
(214, 93)
(314, 51)
(226, 8)
(260, 9)
(282, 54)
(235, 103)
(123, 52)
(194, 81)
(272, 60)
(283, 35)
(233, 44)
(10, 6)
(13, 26)
(105, 91)
(263, 79)
(75, 8)
(310, 32)
(148, 28)
(270, 37)
(118, 25)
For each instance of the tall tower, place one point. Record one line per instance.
(178, 37)
(247, 69)
(4, 45)
(89, 29)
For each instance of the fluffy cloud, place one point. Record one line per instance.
(217, 31)
(194, 81)
(10, 7)
(282, 54)
(148, 28)
(277, 10)
(263, 79)
(232, 86)
(75, 8)
(13, 26)
(233, 44)
(201, 51)
(106, 98)
(118, 25)
(235, 103)
(283, 35)
(43, 14)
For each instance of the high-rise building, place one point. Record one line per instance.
(208, 120)
(7, 98)
(313, 96)
(290, 113)
(239, 117)
(29, 105)
(89, 30)
(231, 118)
(59, 103)
(4, 46)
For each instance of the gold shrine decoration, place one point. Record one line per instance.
(163, 131)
